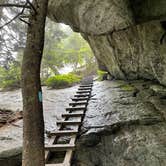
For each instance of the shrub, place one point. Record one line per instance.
(62, 81)
(10, 79)
(101, 74)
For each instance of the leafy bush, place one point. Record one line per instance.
(101, 74)
(62, 81)
(10, 78)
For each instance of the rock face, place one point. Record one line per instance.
(124, 126)
(133, 53)
(13, 157)
(97, 17)
(126, 38)
(92, 16)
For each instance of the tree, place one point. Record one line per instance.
(52, 60)
(65, 49)
(13, 35)
(33, 123)
(76, 51)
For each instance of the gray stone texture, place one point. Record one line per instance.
(124, 126)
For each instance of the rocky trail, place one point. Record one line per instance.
(124, 124)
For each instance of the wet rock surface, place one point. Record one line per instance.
(54, 101)
(124, 126)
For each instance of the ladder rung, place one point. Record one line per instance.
(82, 95)
(84, 88)
(79, 103)
(69, 122)
(63, 132)
(60, 147)
(72, 115)
(75, 108)
(83, 91)
(80, 99)
(90, 84)
(60, 164)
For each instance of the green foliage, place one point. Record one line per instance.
(64, 47)
(10, 78)
(101, 74)
(76, 51)
(61, 81)
(52, 55)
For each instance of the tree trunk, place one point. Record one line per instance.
(33, 123)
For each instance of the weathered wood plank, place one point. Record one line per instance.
(69, 122)
(69, 153)
(82, 95)
(86, 85)
(60, 147)
(83, 91)
(80, 99)
(60, 164)
(85, 88)
(75, 108)
(63, 132)
(73, 115)
(78, 103)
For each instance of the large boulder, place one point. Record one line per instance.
(12, 157)
(92, 16)
(134, 53)
(102, 17)
(126, 36)
(124, 126)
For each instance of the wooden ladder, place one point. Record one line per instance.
(72, 118)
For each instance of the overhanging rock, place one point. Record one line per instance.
(126, 36)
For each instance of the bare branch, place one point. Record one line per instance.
(31, 5)
(24, 21)
(14, 5)
(10, 21)
(15, 17)
(24, 16)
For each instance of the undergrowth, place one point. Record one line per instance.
(62, 81)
